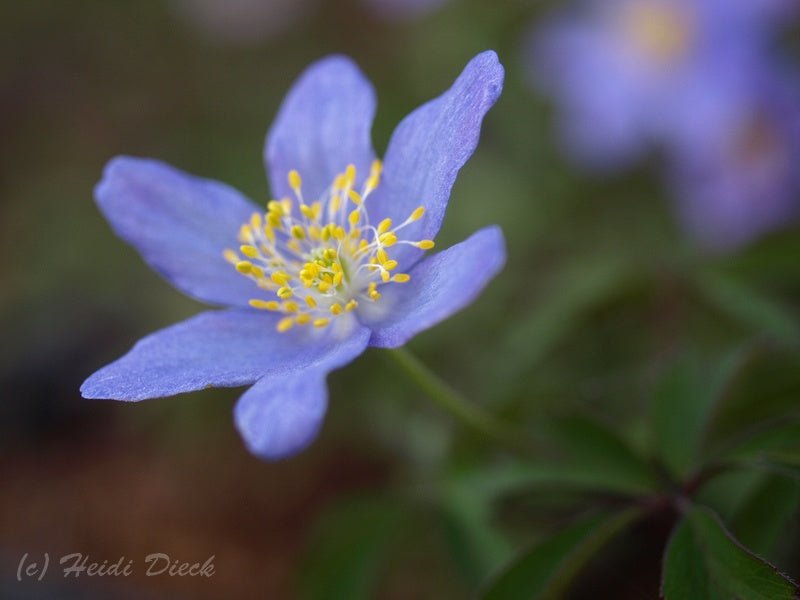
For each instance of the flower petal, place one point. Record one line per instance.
(440, 286)
(323, 125)
(179, 223)
(429, 147)
(225, 348)
(282, 413)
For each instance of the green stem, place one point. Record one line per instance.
(450, 400)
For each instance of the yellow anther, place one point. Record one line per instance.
(336, 309)
(264, 304)
(291, 306)
(417, 214)
(381, 256)
(350, 174)
(285, 324)
(274, 220)
(295, 181)
(313, 232)
(324, 286)
(377, 167)
(401, 278)
(355, 197)
(244, 266)
(385, 276)
(255, 221)
(390, 264)
(336, 203)
(284, 293)
(330, 253)
(230, 256)
(325, 234)
(307, 211)
(249, 251)
(388, 239)
(286, 205)
(321, 322)
(384, 226)
(425, 244)
(372, 183)
(275, 206)
(298, 232)
(337, 278)
(352, 305)
(280, 277)
(339, 233)
(311, 302)
(257, 271)
(246, 234)
(354, 218)
(269, 233)
(294, 246)
(374, 295)
(303, 319)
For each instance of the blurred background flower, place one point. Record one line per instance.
(683, 77)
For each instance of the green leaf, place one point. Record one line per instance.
(749, 306)
(348, 549)
(760, 520)
(779, 443)
(548, 568)
(575, 291)
(685, 574)
(704, 561)
(765, 392)
(683, 401)
(468, 497)
(597, 457)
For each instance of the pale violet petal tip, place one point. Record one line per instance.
(440, 286)
(179, 223)
(226, 348)
(323, 125)
(430, 146)
(283, 412)
(212, 349)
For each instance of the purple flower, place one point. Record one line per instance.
(334, 264)
(740, 179)
(626, 73)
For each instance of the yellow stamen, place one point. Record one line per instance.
(264, 304)
(244, 267)
(285, 324)
(384, 226)
(295, 181)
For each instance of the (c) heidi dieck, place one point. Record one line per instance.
(335, 263)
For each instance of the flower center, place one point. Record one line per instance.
(661, 32)
(320, 260)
